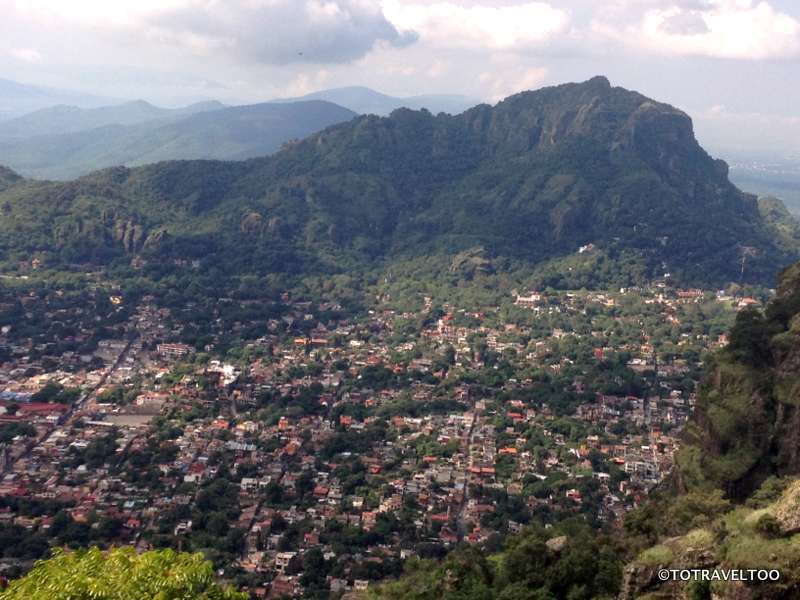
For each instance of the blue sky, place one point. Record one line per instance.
(732, 64)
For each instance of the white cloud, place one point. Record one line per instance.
(95, 14)
(736, 29)
(501, 83)
(305, 83)
(258, 31)
(484, 26)
(29, 55)
(723, 113)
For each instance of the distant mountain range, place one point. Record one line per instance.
(578, 185)
(366, 101)
(17, 99)
(60, 119)
(69, 142)
(66, 141)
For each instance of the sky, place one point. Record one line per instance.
(733, 65)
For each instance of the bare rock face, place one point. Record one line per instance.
(638, 579)
(251, 223)
(787, 510)
(130, 234)
(556, 544)
(155, 238)
(734, 591)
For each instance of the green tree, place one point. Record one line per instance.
(120, 574)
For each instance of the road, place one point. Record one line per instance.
(461, 524)
(75, 408)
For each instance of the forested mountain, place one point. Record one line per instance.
(579, 184)
(138, 133)
(363, 100)
(61, 119)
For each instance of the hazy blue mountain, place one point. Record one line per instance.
(230, 133)
(366, 101)
(69, 119)
(17, 99)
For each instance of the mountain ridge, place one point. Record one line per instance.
(17, 98)
(63, 118)
(202, 131)
(364, 100)
(527, 183)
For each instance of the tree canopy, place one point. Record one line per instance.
(120, 574)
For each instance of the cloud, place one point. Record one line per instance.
(501, 83)
(722, 112)
(29, 55)
(272, 32)
(482, 26)
(734, 29)
(279, 32)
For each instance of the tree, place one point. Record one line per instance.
(120, 574)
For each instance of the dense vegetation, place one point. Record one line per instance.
(746, 426)
(120, 574)
(516, 188)
(572, 562)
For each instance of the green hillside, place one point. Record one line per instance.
(525, 185)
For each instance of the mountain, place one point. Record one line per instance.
(366, 101)
(62, 119)
(575, 185)
(210, 132)
(17, 99)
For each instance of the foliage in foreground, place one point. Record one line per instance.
(538, 564)
(120, 574)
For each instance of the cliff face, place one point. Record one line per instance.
(747, 422)
(760, 536)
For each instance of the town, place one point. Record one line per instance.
(304, 447)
